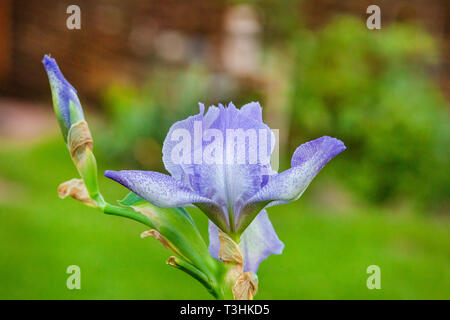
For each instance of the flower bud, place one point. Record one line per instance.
(78, 139)
(74, 129)
(65, 100)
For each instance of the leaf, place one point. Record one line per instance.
(178, 227)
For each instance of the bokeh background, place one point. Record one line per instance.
(317, 70)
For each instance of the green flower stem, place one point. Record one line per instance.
(236, 237)
(226, 291)
(231, 219)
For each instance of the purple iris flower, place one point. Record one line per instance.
(233, 194)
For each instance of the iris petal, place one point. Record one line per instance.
(228, 184)
(252, 110)
(289, 185)
(257, 242)
(166, 192)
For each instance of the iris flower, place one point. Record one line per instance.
(219, 162)
(234, 195)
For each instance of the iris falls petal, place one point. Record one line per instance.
(166, 192)
(289, 185)
(252, 110)
(257, 242)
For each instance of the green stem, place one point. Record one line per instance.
(236, 237)
(231, 220)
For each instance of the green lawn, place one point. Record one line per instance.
(326, 253)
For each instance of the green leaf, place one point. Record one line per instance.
(131, 199)
(178, 227)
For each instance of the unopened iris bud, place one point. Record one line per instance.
(65, 100)
(75, 130)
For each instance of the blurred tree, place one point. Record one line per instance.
(139, 117)
(373, 90)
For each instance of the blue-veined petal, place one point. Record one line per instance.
(166, 192)
(252, 110)
(227, 183)
(257, 242)
(289, 185)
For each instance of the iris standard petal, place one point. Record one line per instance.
(307, 161)
(252, 110)
(257, 242)
(166, 192)
(181, 132)
(225, 157)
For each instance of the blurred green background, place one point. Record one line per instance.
(316, 71)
